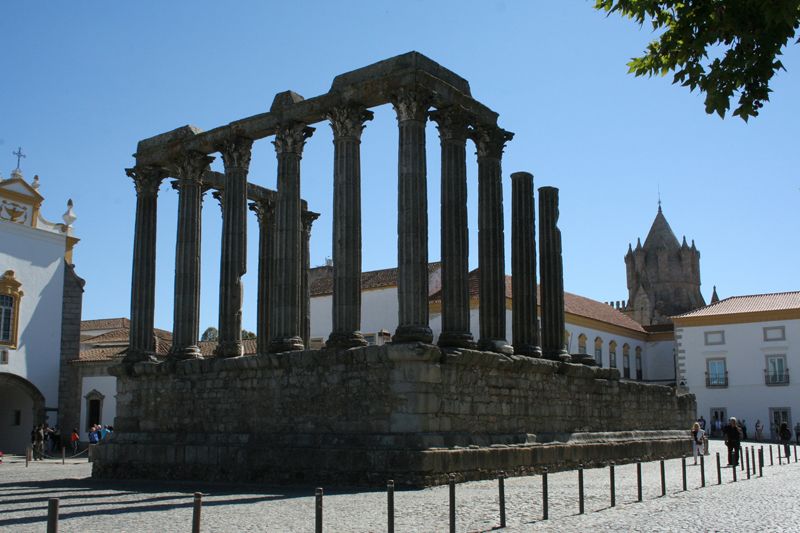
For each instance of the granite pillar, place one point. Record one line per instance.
(233, 263)
(524, 322)
(186, 307)
(347, 123)
(490, 141)
(552, 273)
(143, 283)
(453, 123)
(265, 213)
(286, 327)
(308, 218)
(412, 219)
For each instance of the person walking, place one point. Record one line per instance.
(786, 437)
(733, 440)
(697, 440)
(38, 443)
(74, 440)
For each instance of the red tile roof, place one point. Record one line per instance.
(754, 303)
(105, 323)
(374, 279)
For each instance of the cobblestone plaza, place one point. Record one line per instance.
(758, 504)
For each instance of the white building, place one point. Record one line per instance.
(735, 356)
(40, 298)
(593, 327)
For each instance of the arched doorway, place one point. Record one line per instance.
(21, 407)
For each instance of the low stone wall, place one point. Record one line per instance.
(405, 412)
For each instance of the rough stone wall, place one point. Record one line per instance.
(69, 389)
(405, 411)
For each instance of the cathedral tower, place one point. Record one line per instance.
(663, 275)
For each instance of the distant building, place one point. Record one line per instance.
(735, 356)
(40, 310)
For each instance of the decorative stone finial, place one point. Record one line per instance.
(69, 217)
(35, 184)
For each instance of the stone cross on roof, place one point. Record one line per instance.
(19, 155)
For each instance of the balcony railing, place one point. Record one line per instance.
(776, 378)
(717, 380)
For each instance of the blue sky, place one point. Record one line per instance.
(84, 81)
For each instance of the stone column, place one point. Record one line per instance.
(412, 219)
(143, 280)
(551, 269)
(286, 327)
(305, 290)
(233, 264)
(265, 213)
(186, 307)
(524, 323)
(455, 333)
(490, 141)
(347, 123)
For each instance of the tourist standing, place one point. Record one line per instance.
(697, 440)
(733, 440)
(38, 443)
(74, 440)
(759, 430)
(786, 436)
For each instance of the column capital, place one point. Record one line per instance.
(453, 123)
(411, 104)
(308, 218)
(146, 179)
(218, 196)
(191, 166)
(236, 152)
(490, 140)
(291, 138)
(349, 120)
(264, 209)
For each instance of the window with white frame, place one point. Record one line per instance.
(775, 333)
(639, 363)
(598, 351)
(6, 318)
(776, 372)
(626, 361)
(612, 354)
(716, 373)
(714, 337)
(581, 343)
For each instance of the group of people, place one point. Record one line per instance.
(45, 439)
(98, 433)
(734, 432)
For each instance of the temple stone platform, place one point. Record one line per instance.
(407, 412)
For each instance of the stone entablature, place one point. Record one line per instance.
(407, 412)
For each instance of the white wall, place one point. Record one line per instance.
(747, 396)
(378, 311)
(105, 385)
(37, 259)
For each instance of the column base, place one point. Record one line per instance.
(558, 355)
(187, 352)
(496, 346)
(286, 344)
(451, 339)
(229, 349)
(583, 359)
(528, 350)
(413, 333)
(138, 356)
(341, 340)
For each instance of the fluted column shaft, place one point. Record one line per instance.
(453, 124)
(524, 323)
(412, 219)
(490, 142)
(286, 327)
(265, 213)
(347, 123)
(186, 307)
(143, 277)
(233, 263)
(551, 270)
(308, 218)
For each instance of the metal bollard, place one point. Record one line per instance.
(761, 462)
(63, 456)
(613, 484)
(390, 505)
(318, 511)
(663, 479)
(702, 470)
(501, 486)
(733, 469)
(719, 471)
(638, 481)
(198, 505)
(683, 470)
(580, 489)
(27, 456)
(771, 463)
(452, 503)
(747, 460)
(544, 494)
(753, 458)
(739, 457)
(779, 455)
(795, 453)
(52, 515)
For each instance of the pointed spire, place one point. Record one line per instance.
(683, 244)
(638, 243)
(630, 249)
(661, 235)
(693, 247)
(714, 297)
